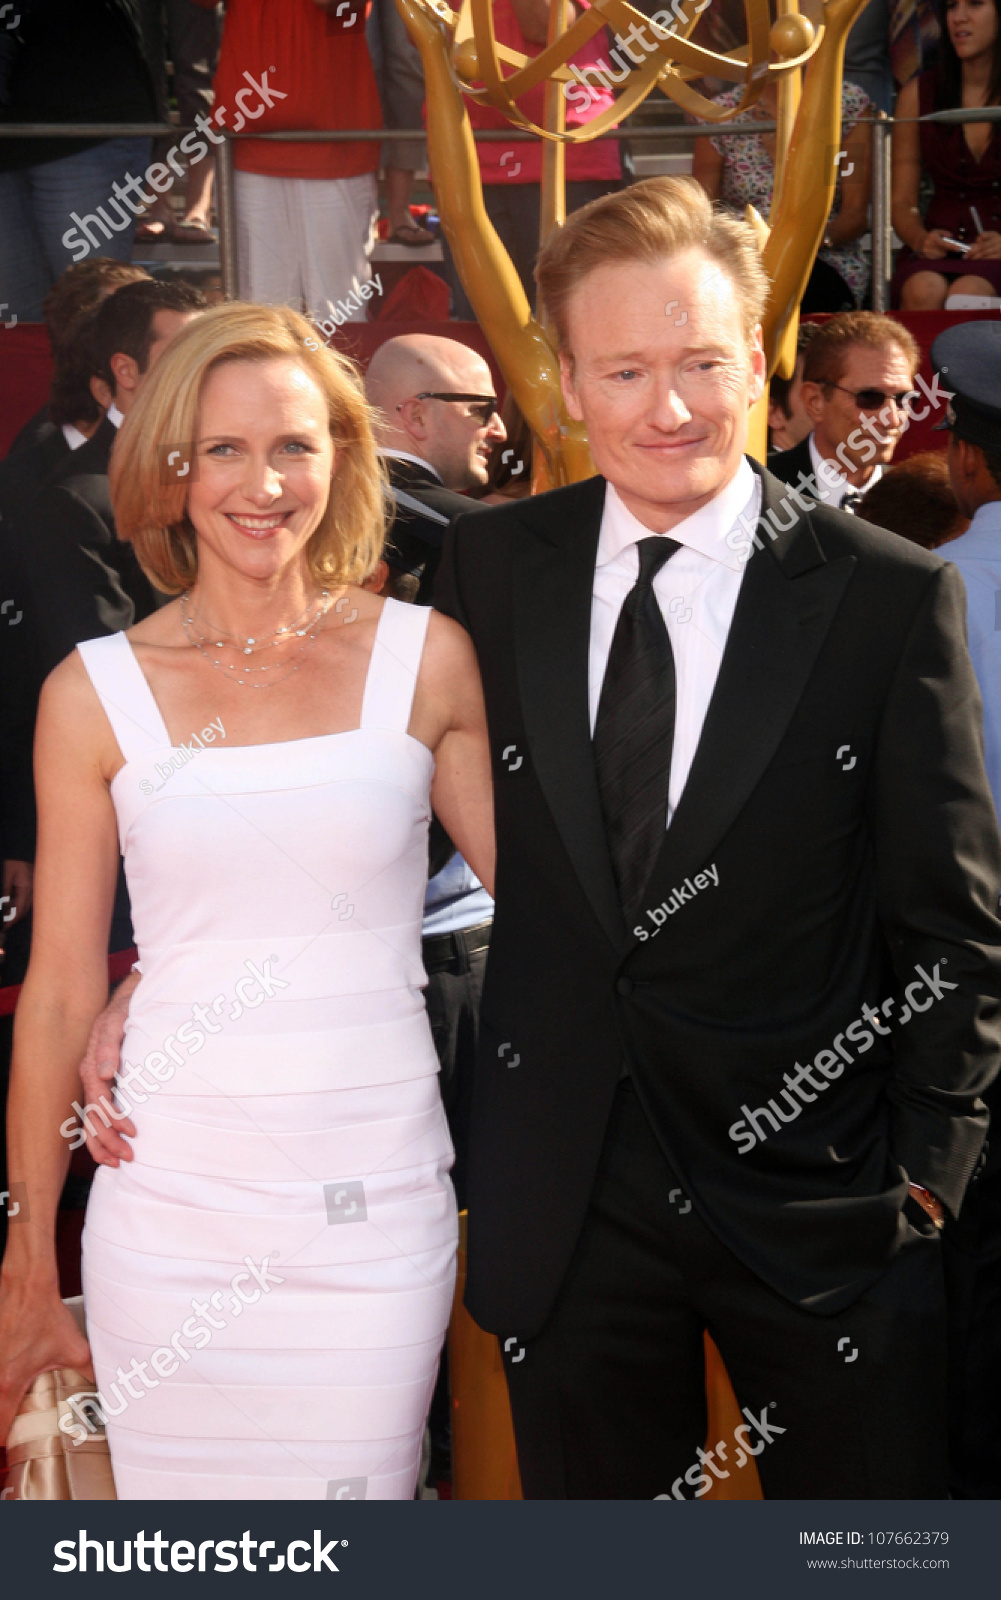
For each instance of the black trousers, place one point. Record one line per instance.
(973, 1283)
(453, 1004)
(609, 1399)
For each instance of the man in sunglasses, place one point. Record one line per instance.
(438, 425)
(858, 375)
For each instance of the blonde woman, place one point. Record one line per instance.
(267, 1282)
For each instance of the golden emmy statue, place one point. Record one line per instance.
(462, 59)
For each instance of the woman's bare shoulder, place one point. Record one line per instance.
(70, 711)
(448, 647)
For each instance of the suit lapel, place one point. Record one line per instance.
(554, 579)
(787, 601)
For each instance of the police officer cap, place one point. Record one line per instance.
(969, 358)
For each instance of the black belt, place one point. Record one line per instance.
(440, 950)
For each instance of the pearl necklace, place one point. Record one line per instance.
(247, 647)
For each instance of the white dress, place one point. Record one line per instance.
(267, 1284)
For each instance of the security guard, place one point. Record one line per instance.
(969, 358)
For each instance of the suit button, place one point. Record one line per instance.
(624, 986)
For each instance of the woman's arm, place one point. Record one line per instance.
(707, 167)
(852, 220)
(906, 180)
(65, 987)
(452, 719)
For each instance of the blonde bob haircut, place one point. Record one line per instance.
(151, 511)
(648, 221)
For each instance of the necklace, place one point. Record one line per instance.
(308, 633)
(250, 645)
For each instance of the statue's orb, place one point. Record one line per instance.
(791, 35)
(465, 62)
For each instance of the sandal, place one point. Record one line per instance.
(400, 236)
(192, 233)
(153, 232)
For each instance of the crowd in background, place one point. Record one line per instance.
(308, 214)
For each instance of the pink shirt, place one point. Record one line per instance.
(521, 161)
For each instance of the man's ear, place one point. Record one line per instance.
(777, 418)
(970, 460)
(814, 400)
(414, 419)
(100, 391)
(759, 368)
(568, 383)
(126, 372)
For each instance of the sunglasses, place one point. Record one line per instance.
(481, 406)
(874, 399)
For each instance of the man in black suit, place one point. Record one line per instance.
(439, 423)
(39, 451)
(74, 578)
(858, 390)
(81, 579)
(743, 988)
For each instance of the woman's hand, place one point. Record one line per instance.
(933, 246)
(98, 1071)
(986, 247)
(37, 1334)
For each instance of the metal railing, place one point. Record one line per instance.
(881, 135)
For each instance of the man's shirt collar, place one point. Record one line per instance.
(705, 530)
(404, 455)
(114, 416)
(829, 477)
(982, 539)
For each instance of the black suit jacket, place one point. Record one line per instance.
(839, 792)
(422, 510)
(75, 580)
(82, 579)
(37, 453)
(788, 464)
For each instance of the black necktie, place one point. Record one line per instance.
(634, 729)
(850, 501)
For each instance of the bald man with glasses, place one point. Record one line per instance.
(438, 425)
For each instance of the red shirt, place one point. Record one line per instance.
(522, 161)
(326, 79)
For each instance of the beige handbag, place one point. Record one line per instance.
(57, 1448)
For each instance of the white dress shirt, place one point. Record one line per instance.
(74, 438)
(696, 590)
(830, 480)
(977, 554)
(114, 416)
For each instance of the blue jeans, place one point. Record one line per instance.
(36, 210)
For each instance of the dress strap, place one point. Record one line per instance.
(395, 664)
(127, 698)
